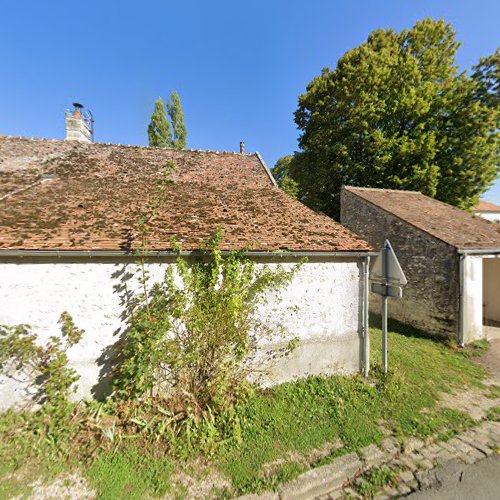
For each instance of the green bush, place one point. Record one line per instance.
(46, 366)
(192, 335)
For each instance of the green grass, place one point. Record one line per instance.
(23, 459)
(293, 419)
(128, 474)
(493, 391)
(282, 427)
(493, 414)
(475, 349)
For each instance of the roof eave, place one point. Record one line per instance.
(478, 251)
(171, 253)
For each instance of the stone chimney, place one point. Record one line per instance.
(79, 124)
(242, 147)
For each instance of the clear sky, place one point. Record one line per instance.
(238, 66)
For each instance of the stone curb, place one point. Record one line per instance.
(322, 480)
(413, 458)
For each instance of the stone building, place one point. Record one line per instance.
(68, 227)
(451, 259)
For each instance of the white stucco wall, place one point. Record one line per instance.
(327, 294)
(472, 289)
(493, 216)
(491, 289)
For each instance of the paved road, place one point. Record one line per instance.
(454, 481)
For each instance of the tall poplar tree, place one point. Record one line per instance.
(159, 133)
(397, 113)
(177, 119)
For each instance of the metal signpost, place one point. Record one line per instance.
(387, 276)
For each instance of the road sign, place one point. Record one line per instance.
(386, 268)
(387, 274)
(395, 292)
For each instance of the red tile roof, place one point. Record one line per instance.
(58, 195)
(486, 206)
(445, 222)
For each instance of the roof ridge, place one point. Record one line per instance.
(138, 146)
(362, 188)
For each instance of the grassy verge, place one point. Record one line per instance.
(294, 419)
(293, 426)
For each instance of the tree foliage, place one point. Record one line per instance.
(165, 134)
(177, 118)
(281, 173)
(159, 133)
(396, 113)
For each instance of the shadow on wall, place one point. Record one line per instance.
(103, 388)
(261, 358)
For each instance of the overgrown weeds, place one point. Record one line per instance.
(374, 480)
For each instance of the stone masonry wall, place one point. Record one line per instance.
(430, 299)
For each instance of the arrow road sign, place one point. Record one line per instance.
(386, 268)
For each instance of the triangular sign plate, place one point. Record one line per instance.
(386, 268)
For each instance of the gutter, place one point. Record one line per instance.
(478, 251)
(170, 253)
(461, 300)
(365, 328)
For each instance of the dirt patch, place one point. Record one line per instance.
(473, 402)
(68, 486)
(491, 358)
(476, 402)
(201, 481)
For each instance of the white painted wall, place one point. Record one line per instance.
(472, 289)
(491, 289)
(493, 216)
(327, 294)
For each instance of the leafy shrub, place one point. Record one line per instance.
(46, 366)
(191, 336)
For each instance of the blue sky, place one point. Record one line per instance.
(238, 66)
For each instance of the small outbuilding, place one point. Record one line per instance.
(450, 257)
(68, 213)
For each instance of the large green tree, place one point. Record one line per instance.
(177, 118)
(160, 132)
(396, 113)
